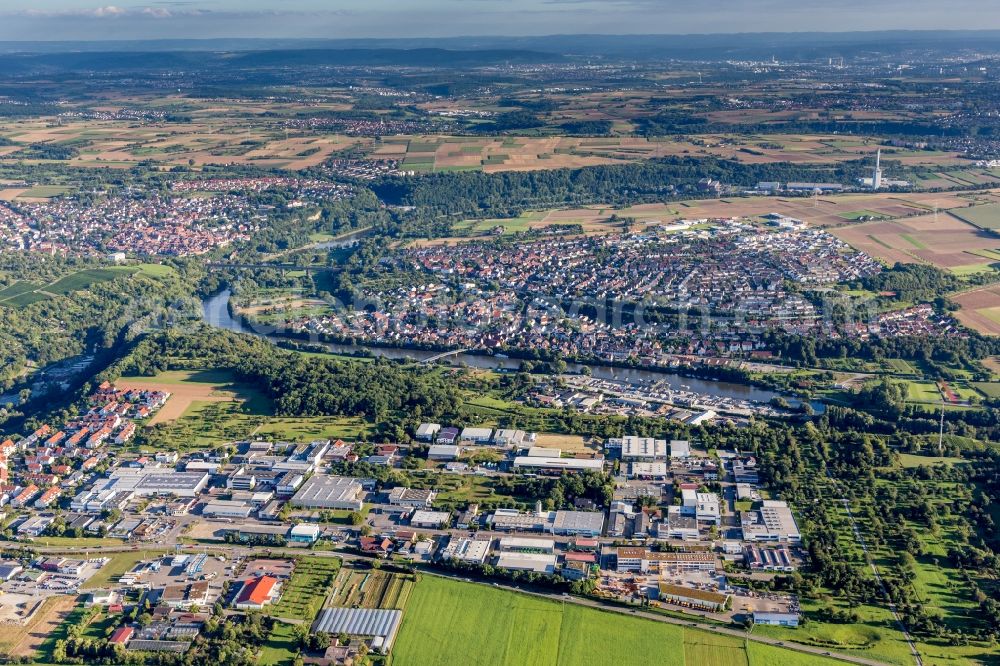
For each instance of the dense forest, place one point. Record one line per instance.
(938, 352)
(300, 385)
(509, 193)
(63, 320)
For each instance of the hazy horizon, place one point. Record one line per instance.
(83, 20)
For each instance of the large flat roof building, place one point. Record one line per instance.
(426, 432)
(643, 448)
(412, 497)
(158, 482)
(537, 562)
(527, 545)
(772, 522)
(429, 519)
(631, 558)
(578, 523)
(330, 492)
(693, 598)
(227, 509)
(680, 448)
(648, 470)
(466, 550)
(541, 464)
(478, 435)
(512, 520)
(776, 619)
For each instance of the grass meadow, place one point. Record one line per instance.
(448, 622)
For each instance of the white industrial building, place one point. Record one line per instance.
(772, 522)
(677, 526)
(429, 519)
(578, 523)
(512, 520)
(477, 435)
(680, 448)
(443, 452)
(512, 544)
(643, 448)
(411, 497)
(776, 619)
(466, 550)
(645, 561)
(227, 509)
(426, 432)
(145, 483)
(558, 464)
(330, 492)
(509, 438)
(537, 562)
(707, 509)
(648, 470)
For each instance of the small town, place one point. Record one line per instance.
(727, 285)
(141, 224)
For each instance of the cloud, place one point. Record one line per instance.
(103, 12)
(110, 10)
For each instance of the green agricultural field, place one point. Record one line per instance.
(702, 647)
(901, 366)
(447, 622)
(86, 279)
(17, 289)
(44, 192)
(23, 294)
(913, 241)
(156, 270)
(181, 377)
(989, 389)
(207, 423)
(923, 392)
(24, 300)
(513, 225)
(984, 217)
(759, 654)
(303, 429)
(370, 588)
(986, 254)
(912, 460)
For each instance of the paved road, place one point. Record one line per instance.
(859, 537)
(241, 551)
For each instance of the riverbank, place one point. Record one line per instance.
(216, 312)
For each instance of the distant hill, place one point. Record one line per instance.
(472, 50)
(118, 61)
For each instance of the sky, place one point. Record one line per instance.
(206, 19)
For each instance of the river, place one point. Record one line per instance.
(215, 311)
(343, 240)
